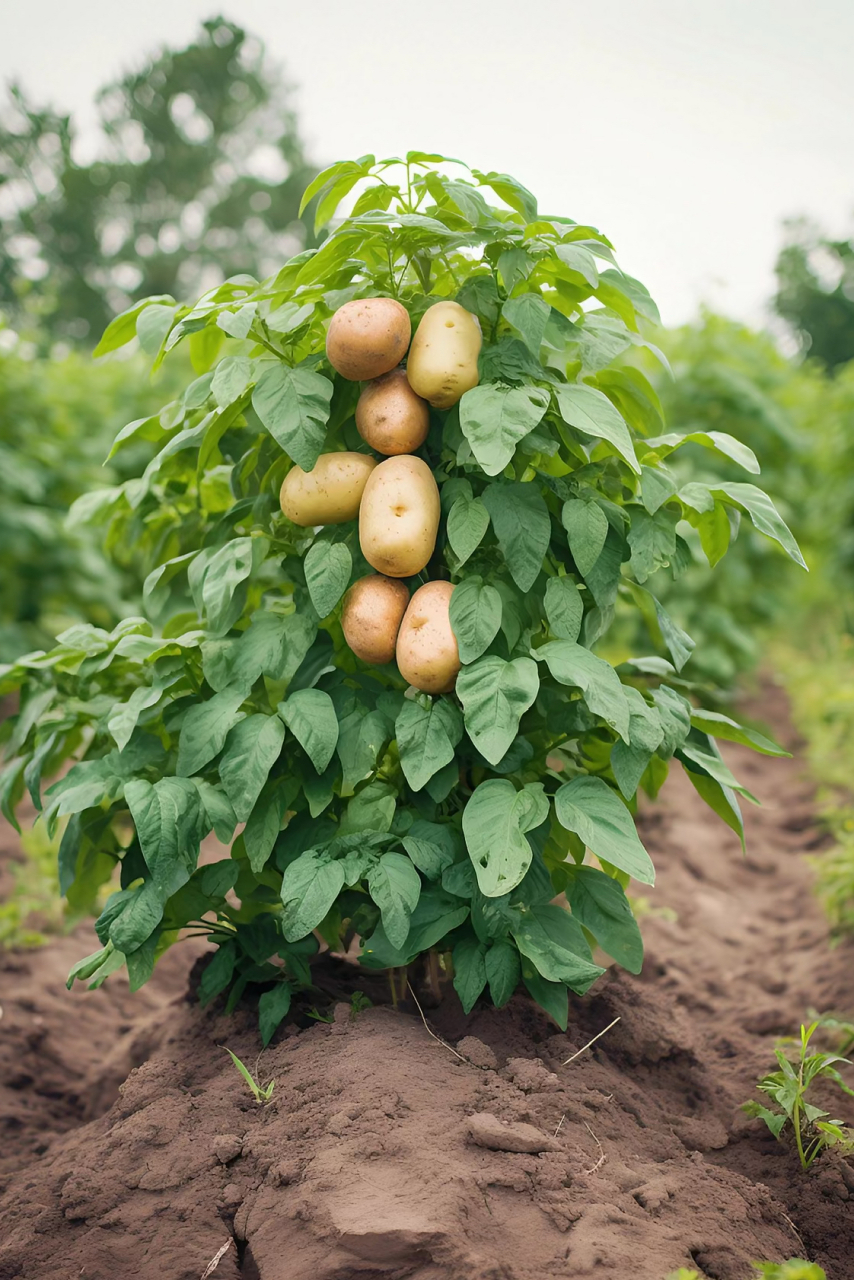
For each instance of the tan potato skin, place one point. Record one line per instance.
(368, 337)
(331, 493)
(442, 362)
(390, 417)
(427, 653)
(371, 617)
(399, 516)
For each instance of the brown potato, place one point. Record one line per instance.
(371, 616)
(427, 653)
(399, 516)
(330, 493)
(368, 337)
(442, 362)
(390, 416)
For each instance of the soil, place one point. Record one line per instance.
(385, 1153)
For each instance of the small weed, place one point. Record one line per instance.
(789, 1086)
(359, 1002)
(794, 1269)
(261, 1093)
(840, 1030)
(320, 1017)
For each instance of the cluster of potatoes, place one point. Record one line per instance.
(397, 500)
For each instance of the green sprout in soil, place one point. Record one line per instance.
(814, 1132)
(261, 1093)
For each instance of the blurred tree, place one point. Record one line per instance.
(815, 292)
(199, 178)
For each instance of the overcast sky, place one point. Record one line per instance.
(687, 130)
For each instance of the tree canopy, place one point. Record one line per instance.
(198, 177)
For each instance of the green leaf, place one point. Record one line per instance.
(395, 887)
(494, 419)
(218, 973)
(360, 740)
(763, 513)
(310, 716)
(310, 886)
(629, 764)
(468, 521)
(327, 572)
(169, 821)
(718, 441)
(231, 378)
(432, 846)
(593, 414)
(273, 1007)
(550, 996)
(426, 738)
(599, 903)
(251, 749)
(711, 762)
(294, 405)
(715, 532)
(204, 730)
(495, 695)
(469, 971)
(587, 528)
(675, 713)
(657, 487)
(564, 608)
(652, 540)
(528, 315)
(503, 971)
(218, 810)
(552, 959)
(371, 809)
(265, 823)
(522, 526)
(592, 811)
(662, 628)
(571, 664)
(475, 614)
(494, 822)
(721, 800)
(140, 915)
(226, 570)
(122, 329)
(721, 726)
(579, 259)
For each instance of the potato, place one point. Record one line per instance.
(427, 653)
(399, 516)
(442, 362)
(331, 493)
(371, 615)
(368, 337)
(390, 416)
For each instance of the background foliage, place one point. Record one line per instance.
(198, 177)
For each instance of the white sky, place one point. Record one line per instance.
(685, 129)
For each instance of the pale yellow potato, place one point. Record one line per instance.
(427, 653)
(399, 516)
(442, 362)
(371, 616)
(390, 417)
(328, 494)
(368, 337)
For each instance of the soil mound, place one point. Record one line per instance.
(385, 1154)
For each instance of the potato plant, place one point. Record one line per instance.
(487, 814)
